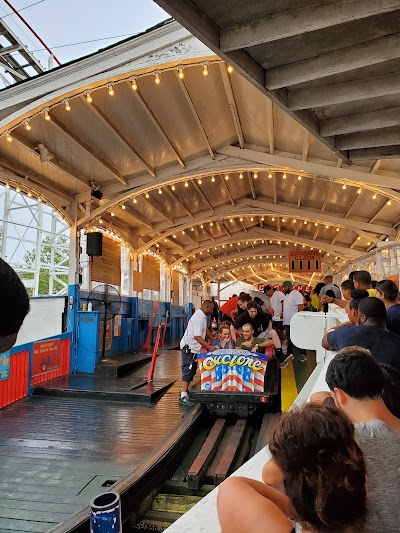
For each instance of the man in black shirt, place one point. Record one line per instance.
(371, 334)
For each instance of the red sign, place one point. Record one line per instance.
(46, 357)
(304, 261)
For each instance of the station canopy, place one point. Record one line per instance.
(178, 147)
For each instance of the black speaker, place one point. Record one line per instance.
(97, 194)
(94, 243)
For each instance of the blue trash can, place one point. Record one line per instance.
(105, 516)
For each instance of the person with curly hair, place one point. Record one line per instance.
(323, 475)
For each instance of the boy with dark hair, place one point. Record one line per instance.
(362, 280)
(15, 306)
(356, 382)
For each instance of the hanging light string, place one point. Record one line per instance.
(111, 85)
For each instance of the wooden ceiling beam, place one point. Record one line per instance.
(369, 139)
(88, 149)
(301, 21)
(232, 103)
(340, 61)
(383, 118)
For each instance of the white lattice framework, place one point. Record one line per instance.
(35, 242)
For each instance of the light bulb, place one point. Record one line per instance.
(110, 90)
(186, 184)
(28, 127)
(226, 177)
(359, 191)
(358, 238)
(9, 138)
(229, 69)
(112, 214)
(343, 186)
(316, 224)
(273, 219)
(199, 181)
(270, 175)
(327, 227)
(181, 75)
(159, 191)
(283, 220)
(134, 84)
(241, 176)
(255, 175)
(299, 177)
(231, 220)
(374, 197)
(29, 194)
(337, 229)
(205, 69)
(123, 206)
(134, 201)
(47, 116)
(305, 222)
(7, 185)
(17, 189)
(157, 79)
(294, 221)
(201, 226)
(262, 219)
(39, 199)
(213, 179)
(67, 105)
(173, 187)
(147, 195)
(89, 98)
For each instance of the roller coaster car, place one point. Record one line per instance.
(240, 390)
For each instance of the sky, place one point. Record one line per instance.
(60, 23)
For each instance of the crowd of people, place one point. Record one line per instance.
(335, 463)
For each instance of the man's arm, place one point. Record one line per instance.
(300, 307)
(234, 314)
(209, 334)
(325, 343)
(205, 344)
(331, 300)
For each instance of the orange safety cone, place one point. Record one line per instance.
(147, 344)
(153, 359)
(165, 329)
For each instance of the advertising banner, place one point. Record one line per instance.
(232, 370)
(5, 365)
(46, 357)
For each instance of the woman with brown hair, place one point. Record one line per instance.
(323, 477)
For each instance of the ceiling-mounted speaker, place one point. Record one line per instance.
(97, 194)
(94, 244)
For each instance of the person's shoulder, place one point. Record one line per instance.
(376, 430)
(239, 341)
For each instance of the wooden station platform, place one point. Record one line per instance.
(56, 453)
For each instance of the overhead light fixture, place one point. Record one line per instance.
(28, 127)
(181, 75)
(229, 69)
(205, 69)
(134, 84)
(110, 89)
(89, 98)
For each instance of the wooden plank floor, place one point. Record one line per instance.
(58, 453)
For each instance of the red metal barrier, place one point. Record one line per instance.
(62, 360)
(16, 386)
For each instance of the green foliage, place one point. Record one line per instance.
(45, 259)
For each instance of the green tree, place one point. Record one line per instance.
(59, 244)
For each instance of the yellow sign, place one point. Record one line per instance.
(304, 261)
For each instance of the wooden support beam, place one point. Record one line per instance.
(270, 125)
(208, 235)
(157, 207)
(178, 201)
(118, 133)
(378, 210)
(306, 144)
(384, 118)
(232, 103)
(55, 161)
(344, 92)
(274, 188)
(227, 191)
(157, 125)
(301, 21)
(201, 193)
(343, 60)
(383, 152)
(252, 188)
(88, 149)
(369, 139)
(195, 115)
(375, 166)
(351, 205)
(301, 192)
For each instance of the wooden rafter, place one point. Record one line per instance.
(232, 103)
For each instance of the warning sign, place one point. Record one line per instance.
(304, 261)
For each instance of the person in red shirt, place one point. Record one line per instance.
(229, 306)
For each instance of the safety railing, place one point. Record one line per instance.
(33, 363)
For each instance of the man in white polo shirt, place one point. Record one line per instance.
(192, 341)
(293, 304)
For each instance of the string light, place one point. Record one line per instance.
(344, 187)
(374, 197)
(173, 187)
(199, 181)
(147, 195)
(299, 177)
(305, 222)
(273, 219)
(213, 179)
(389, 202)
(110, 90)
(157, 78)
(46, 115)
(186, 184)
(205, 69)
(226, 177)
(89, 98)
(284, 176)
(270, 175)
(241, 176)
(7, 185)
(123, 206)
(181, 75)
(28, 127)
(112, 214)
(359, 191)
(159, 191)
(134, 201)
(283, 220)
(337, 229)
(8, 137)
(255, 175)
(134, 84)
(67, 105)
(29, 194)
(17, 189)
(229, 69)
